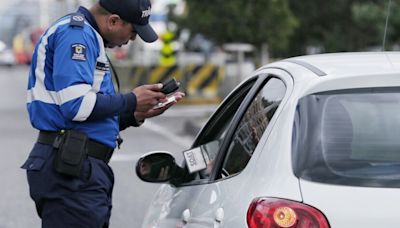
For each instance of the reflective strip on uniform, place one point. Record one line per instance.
(72, 92)
(87, 105)
(99, 74)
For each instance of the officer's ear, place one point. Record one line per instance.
(112, 21)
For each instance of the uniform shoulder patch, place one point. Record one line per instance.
(78, 52)
(77, 19)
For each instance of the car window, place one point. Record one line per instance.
(349, 137)
(211, 137)
(252, 126)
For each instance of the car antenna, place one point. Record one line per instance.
(386, 25)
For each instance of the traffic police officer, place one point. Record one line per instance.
(73, 104)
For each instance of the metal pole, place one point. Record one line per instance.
(386, 25)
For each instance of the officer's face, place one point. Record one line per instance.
(121, 33)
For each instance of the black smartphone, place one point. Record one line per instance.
(170, 86)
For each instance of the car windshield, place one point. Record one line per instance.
(349, 137)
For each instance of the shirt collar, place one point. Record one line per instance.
(89, 17)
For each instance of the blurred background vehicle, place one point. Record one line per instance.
(22, 23)
(17, 19)
(7, 57)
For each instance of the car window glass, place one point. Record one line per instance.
(349, 137)
(210, 139)
(252, 126)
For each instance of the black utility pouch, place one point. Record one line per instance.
(71, 152)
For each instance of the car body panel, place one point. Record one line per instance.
(347, 206)
(343, 64)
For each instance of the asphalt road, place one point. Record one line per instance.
(131, 196)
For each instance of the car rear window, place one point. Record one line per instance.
(349, 137)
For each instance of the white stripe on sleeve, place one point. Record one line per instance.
(98, 79)
(36, 93)
(72, 92)
(86, 107)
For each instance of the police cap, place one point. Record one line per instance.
(136, 12)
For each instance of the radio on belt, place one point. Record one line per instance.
(170, 86)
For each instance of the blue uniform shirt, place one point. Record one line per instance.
(70, 84)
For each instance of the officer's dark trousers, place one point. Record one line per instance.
(63, 201)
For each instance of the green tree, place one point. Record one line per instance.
(343, 25)
(324, 25)
(370, 20)
(291, 27)
(250, 21)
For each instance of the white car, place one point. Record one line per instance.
(310, 141)
(6, 55)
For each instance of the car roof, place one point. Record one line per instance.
(344, 64)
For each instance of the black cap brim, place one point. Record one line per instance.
(146, 32)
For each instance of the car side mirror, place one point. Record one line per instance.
(156, 167)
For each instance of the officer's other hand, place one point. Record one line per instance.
(147, 96)
(139, 116)
(178, 96)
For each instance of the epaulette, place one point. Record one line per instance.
(77, 19)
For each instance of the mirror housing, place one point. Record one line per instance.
(156, 167)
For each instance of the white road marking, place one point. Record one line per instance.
(117, 157)
(181, 141)
(193, 110)
(164, 132)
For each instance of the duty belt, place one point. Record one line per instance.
(94, 149)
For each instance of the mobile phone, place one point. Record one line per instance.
(170, 86)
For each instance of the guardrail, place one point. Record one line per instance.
(201, 83)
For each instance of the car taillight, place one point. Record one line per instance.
(277, 213)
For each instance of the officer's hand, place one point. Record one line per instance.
(158, 111)
(147, 96)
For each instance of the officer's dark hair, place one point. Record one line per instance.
(100, 10)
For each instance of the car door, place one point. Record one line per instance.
(218, 196)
